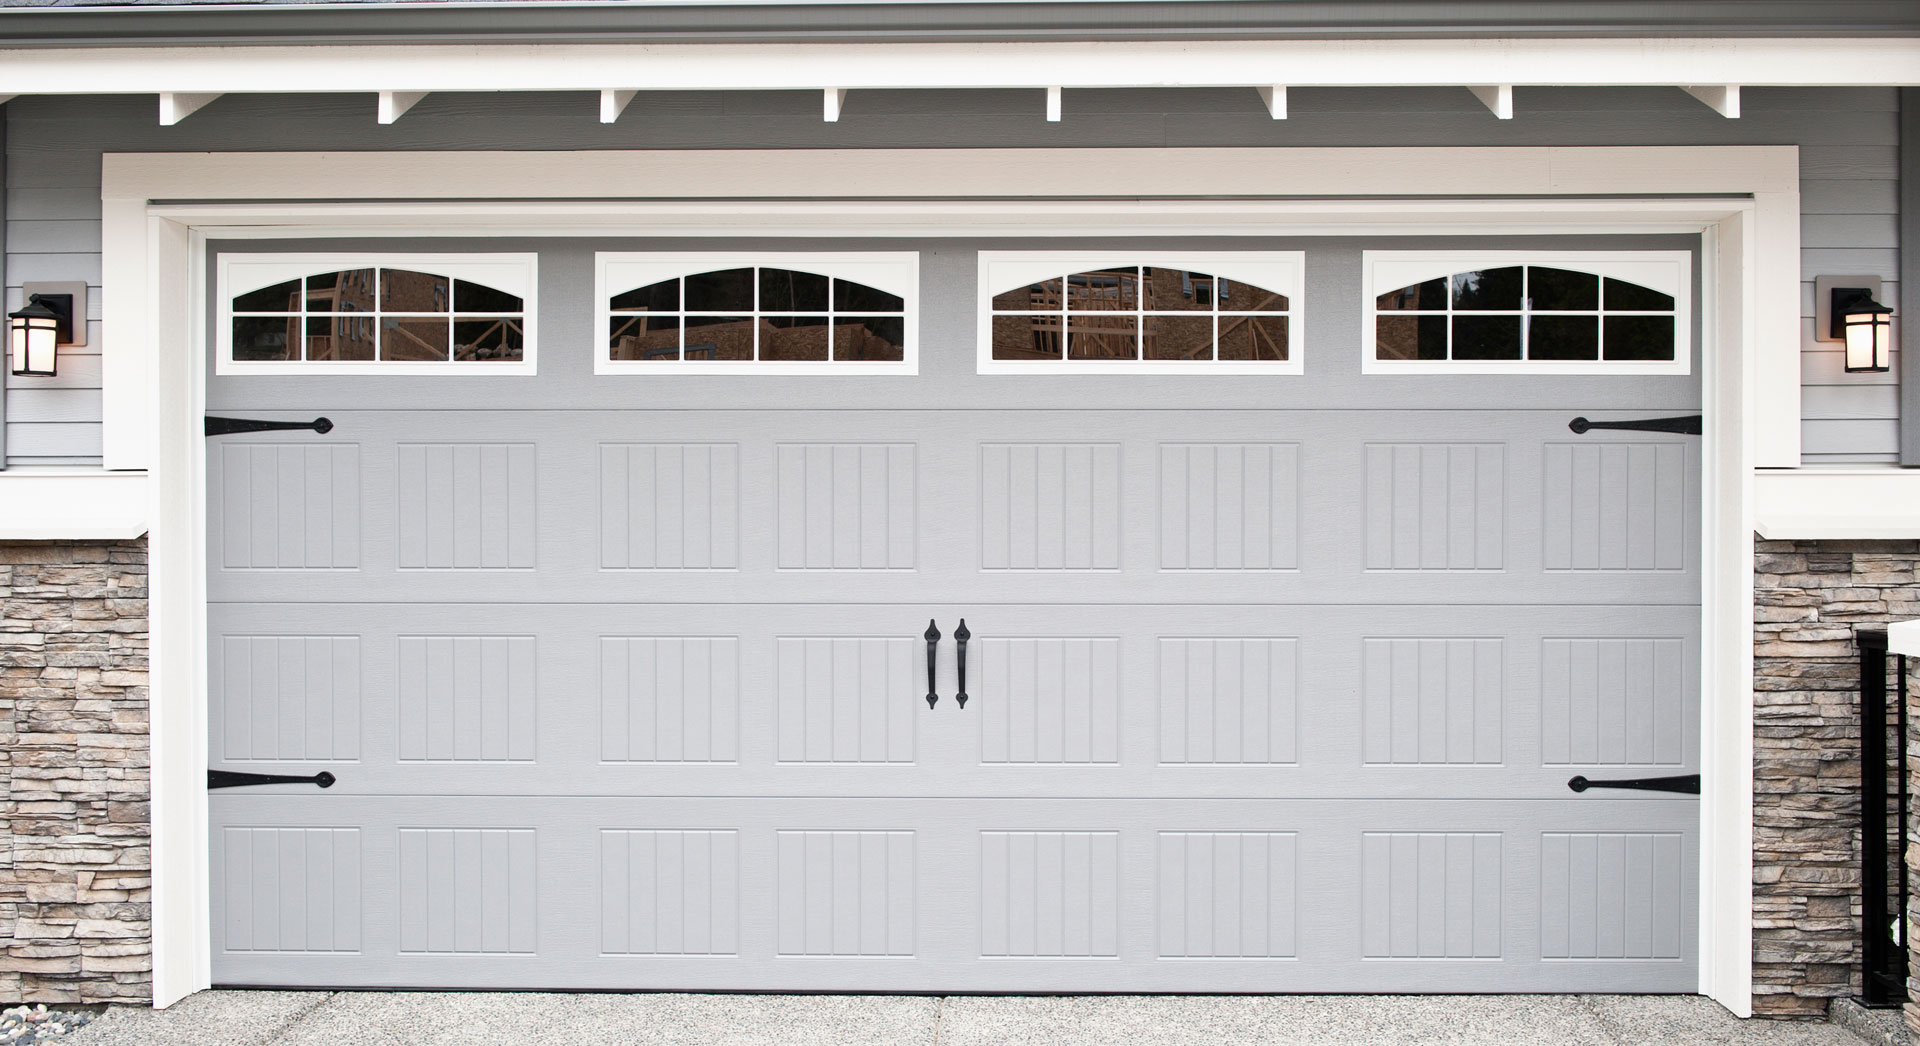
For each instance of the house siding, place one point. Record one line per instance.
(1848, 138)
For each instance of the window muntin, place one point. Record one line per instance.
(789, 313)
(1191, 313)
(375, 314)
(1614, 312)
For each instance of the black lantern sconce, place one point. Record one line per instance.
(1846, 311)
(55, 315)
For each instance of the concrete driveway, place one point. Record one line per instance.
(239, 1018)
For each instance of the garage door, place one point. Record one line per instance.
(628, 675)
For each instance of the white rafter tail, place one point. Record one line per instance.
(394, 104)
(1275, 99)
(832, 99)
(613, 103)
(1053, 105)
(1498, 98)
(1724, 100)
(176, 106)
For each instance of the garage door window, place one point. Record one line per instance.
(376, 314)
(1518, 312)
(824, 313)
(1076, 312)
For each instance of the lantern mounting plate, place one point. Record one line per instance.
(1828, 290)
(74, 331)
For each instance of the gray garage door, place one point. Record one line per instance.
(1275, 684)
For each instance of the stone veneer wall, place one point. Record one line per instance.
(1809, 597)
(74, 873)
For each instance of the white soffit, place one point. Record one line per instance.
(1837, 504)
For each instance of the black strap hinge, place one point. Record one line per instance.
(1686, 783)
(223, 426)
(1686, 425)
(236, 779)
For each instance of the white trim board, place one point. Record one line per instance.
(72, 505)
(1837, 504)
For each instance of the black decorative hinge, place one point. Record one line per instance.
(235, 779)
(223, 426)
(1688, 783)
(1686, 424)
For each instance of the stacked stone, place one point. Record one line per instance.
(1912, 935)
(75, 911)
(1809, 598)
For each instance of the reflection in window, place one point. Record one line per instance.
(1140, 313)
(759, 313)
(376, 314)
(1525, 312)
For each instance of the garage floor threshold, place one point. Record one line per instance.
(273, 1018)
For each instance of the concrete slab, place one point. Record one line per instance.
(1691, 1020)
(206, 1019)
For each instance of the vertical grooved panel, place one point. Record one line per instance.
(1435, 506)
(1614, 701)
(467, 891)
(1430, 895)
(287, 698)
(1049, 506)
(1048, 700)
(283, 506)
(1227, 895)
(846, 506)
(669, 699)
(1614, 506)
(1611, 895)
(1229, 506)
(467, 699)
(847, 893)
(669, 892)
(846, 699)
(1431, 700)
(669, 506)
(466, 506)
(1228, 700)
(287, 889)
(1050, 894)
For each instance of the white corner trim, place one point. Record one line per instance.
(1903, 638)
(89, 504)
(1857, 504)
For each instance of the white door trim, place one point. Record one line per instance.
(155, 257)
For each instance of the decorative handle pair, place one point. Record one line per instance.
(960, 637)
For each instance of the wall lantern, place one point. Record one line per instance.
(1846, 310)
(33, 335)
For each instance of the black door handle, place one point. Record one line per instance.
(1687, 783)
(960, 637)
(223, 426)
(1686, 424)
(235, 779)
(933, 649)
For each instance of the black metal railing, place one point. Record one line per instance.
(1883, 824)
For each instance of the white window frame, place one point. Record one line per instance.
(240, 273)
(895, 272)
(1282, 271)
(1669, 272)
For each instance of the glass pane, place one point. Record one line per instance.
(490, 340)
(794, 337)
(1245, 297)
(1486, 337)
(402, 290)
(658, 297)
(718, 337)
(1178, 290)
(1097, 337)
(1104, 290)
(1562, 290)
(413, 339)
(265, 338)
(1639, 337)
(340, 337)
(725, 290)
(1178, 337)
(281, 297)
(644, 338)
(1039, 297)
(1027, 337)
(1410, 338)
(1487, 289)
(854, 297)
(350, 290)
(1563, 338)
(1430, 296)
(1253, 338)
(1631, 297)
(475, 297)
(870, 338)
(783, 290)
